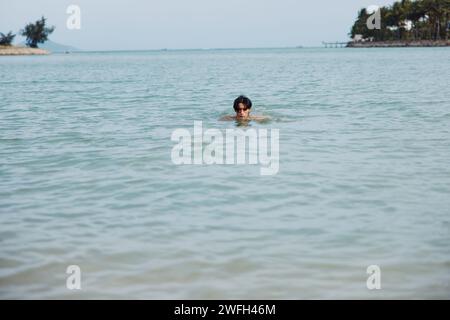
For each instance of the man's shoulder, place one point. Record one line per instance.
(259, 118)
(227, 118)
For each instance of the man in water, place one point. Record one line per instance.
(242, 106)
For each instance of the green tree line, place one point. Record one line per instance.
(407, 20)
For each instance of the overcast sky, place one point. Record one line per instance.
(177, 24)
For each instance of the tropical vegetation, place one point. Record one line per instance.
(6, 39)
(36, 32)
(406, 20)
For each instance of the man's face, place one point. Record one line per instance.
(242, 112)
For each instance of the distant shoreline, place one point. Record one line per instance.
(19, 51)
(22, 50)
(399, 43)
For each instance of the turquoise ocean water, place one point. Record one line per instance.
(86, 176)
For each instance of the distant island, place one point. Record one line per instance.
(58, 47)
(406, 23)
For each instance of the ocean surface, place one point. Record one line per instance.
(86, 176)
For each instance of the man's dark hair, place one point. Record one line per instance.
(242, 99)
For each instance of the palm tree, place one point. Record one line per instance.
(36, 32)
(447, 21)
(398, 18)
(359, 26)
(6, 39)
(390, 19)
(415, 13)
(437, 11)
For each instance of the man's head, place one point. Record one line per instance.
(242, 106)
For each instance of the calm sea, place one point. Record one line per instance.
(86, 176)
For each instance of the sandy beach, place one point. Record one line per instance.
(15, 50)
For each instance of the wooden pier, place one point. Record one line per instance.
(336, 44)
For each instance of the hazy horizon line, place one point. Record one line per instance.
(198, 49)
